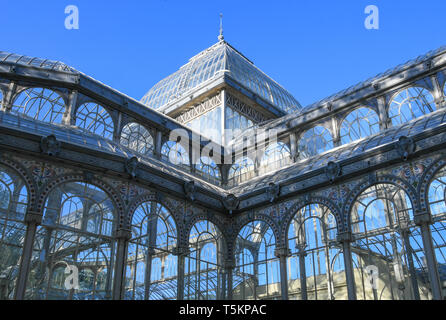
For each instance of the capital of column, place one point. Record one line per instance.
(123, 234)
(282, 252)
(33, 217)
(180, 251)
(422, 218)
(229, 264)
(344, 237)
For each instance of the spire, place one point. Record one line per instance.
(220, 37)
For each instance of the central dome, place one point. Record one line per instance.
(218, 61)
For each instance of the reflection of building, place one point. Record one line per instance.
(349, 188)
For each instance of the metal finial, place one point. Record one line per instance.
(220, 37)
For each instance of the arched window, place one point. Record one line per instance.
(203, 266)
(361, 123)
(409, 104)
(151, 268)
(13, 204)
(314, 260)
(276, 156)
(40, 104)
(386, 250)
(437, 205)
(241, 170)
(95, 118)
(208, 167)
(136, 137)
(315, 141)
(77, 231)
(175, 153)
(257, 270)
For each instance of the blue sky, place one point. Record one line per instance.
(312, 48)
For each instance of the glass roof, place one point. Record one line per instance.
(86, 139)
(212, 63)
(34, 62)
(411, 128)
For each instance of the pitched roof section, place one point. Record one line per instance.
(13, 58)
(219, 60)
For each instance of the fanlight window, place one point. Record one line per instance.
(359, 124)
(315, 141)
(77, 228)
(13, 204)
(409, 104)
(137, 138)
(241, 170)
(40, 104)
(257, 271)
(384, 232)
(175, 153)
(203, 276)
(315, 270)
(151, 269)
(96, 119)
(276, 156)
(208, 167)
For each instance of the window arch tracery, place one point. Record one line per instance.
(96, 119)
(208, 167)
(175, 153)
(358, 124)
(241, 170)
(40, 104)
(410, 103)
(276, 156)
(315, 141)
(136, 137)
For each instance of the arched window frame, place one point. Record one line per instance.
(208, 167)
(14, 198)
(351, 124)
(40, 104)
(74, 242)
(256, 238)
(276, 156)
(315, 141)
(396, 239)
(137, 138)
(311, 234)
(145, 281)
(415, 102)
(96, 119)
(203, 276)
(175, 153)
(241, 170)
